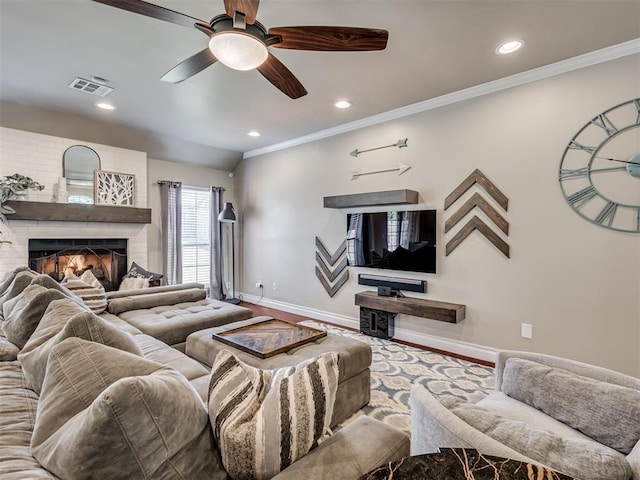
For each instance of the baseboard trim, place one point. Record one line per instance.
(445, 345)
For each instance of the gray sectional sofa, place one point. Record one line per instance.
(98, 410)
(578, 419)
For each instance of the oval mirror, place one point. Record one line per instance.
(78, 163)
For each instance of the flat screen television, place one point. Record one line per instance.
(394, 240)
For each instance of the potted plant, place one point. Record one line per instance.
(10, 187)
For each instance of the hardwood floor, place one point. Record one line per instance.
(259, 310)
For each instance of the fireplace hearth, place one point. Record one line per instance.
(105, 257)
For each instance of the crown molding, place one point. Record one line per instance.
(575, 63)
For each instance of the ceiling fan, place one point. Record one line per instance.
(237, 40)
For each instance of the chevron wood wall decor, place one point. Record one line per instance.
(331, 276)
(476, 224)
(332, 290)
(331, 259)
(477, 177)
(327, 277)
(477, 200)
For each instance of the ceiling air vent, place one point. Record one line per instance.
(91, 87)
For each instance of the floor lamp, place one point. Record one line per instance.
(227, 215)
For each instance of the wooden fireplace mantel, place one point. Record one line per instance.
(75, 212)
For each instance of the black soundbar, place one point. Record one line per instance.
(406, 284)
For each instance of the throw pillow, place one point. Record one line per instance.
(89, 289)
(133, 283)
(16, 285)
(64, 319)
(136, 271)
(25, 312)
(48, 282)
(604, 411)
(8, 277)
(265, 420)
(105, 413)
(574, 457)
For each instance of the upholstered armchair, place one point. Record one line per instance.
(580, 420)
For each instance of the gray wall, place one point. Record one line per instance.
(577, 284)
(192, 175)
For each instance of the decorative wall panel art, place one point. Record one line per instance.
(116, 189)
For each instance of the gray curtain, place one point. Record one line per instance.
(215, 233)
(171, 225)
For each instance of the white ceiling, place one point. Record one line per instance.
(434, 48)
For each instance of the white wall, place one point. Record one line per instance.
(577, 284)
(192, 175)
(40, 157)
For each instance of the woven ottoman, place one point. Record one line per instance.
(354, 381)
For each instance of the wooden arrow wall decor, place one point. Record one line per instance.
(402, 143)
(477, 200)
(401, 168)
(325, 274)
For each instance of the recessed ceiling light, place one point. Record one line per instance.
(105, 106)
(253, 133)
(343, 104)
(509, 47)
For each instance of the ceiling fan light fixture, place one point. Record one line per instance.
(238, 50)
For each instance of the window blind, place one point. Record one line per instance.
(196, 246)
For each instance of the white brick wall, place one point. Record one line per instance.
(40, 157)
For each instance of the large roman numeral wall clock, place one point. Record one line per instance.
(600, 169)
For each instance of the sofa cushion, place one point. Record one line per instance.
(25, 312)
(265, 420)
(157, 351)
(584, 459)
(17, 416)
(89, 289)
(64, 319)
(14, 284)
(105, 413)
(120, 323)
(135, 302)
(8, 351)
(174, 322)
(608, 413)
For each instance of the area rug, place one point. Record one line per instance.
(395, 368)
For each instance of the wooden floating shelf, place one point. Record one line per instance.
(389, 197)
(76, 212)
(417, 307)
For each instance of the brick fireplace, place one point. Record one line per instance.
(105, 257)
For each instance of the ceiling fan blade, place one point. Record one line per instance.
(151, 10)
(190, 67)
(281, 77)
(248, 7)
(331, 39)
